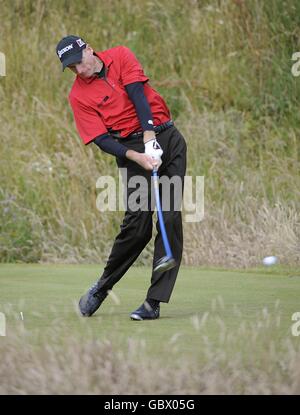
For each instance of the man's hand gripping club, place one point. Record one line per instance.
(154, 150)
(151, 159)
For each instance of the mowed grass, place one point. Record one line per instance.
(47, 296)
(224, 332)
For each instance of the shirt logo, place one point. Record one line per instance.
(64, 50)
(80, 42)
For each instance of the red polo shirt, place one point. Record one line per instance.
(100, 104)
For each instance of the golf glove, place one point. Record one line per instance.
(153, 149)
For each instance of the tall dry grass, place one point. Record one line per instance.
(225, 70)
(251, 358)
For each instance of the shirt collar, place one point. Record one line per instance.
(106, 59)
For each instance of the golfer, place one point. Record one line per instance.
(115, 108)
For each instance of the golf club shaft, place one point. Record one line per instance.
(159, 214)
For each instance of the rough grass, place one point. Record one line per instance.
(224, 332)
(96, 366)
(224, 68)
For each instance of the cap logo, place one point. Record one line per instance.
(80, 42)
(64, 50)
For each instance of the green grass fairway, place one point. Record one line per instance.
(47, 295)
(224, 332)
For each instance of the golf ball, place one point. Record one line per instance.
(270, 260)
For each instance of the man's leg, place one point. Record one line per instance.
(162, 284)
(136, 232)
(174, 147)
(136, 229)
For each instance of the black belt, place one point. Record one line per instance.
(157, 129)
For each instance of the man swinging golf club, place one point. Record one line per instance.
(115, 107)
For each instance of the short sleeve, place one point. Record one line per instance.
(131, 69)
(88, 122)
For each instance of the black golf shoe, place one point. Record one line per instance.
(91, 301)
(145, 312)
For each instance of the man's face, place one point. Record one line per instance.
(85, 68)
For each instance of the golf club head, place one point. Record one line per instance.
(164, 264)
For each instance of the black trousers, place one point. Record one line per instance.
(136, 229)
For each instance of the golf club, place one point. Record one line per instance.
(167, 262)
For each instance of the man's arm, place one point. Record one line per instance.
(110, 146)
(136, 94)
(107, 144)
(133, 79)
